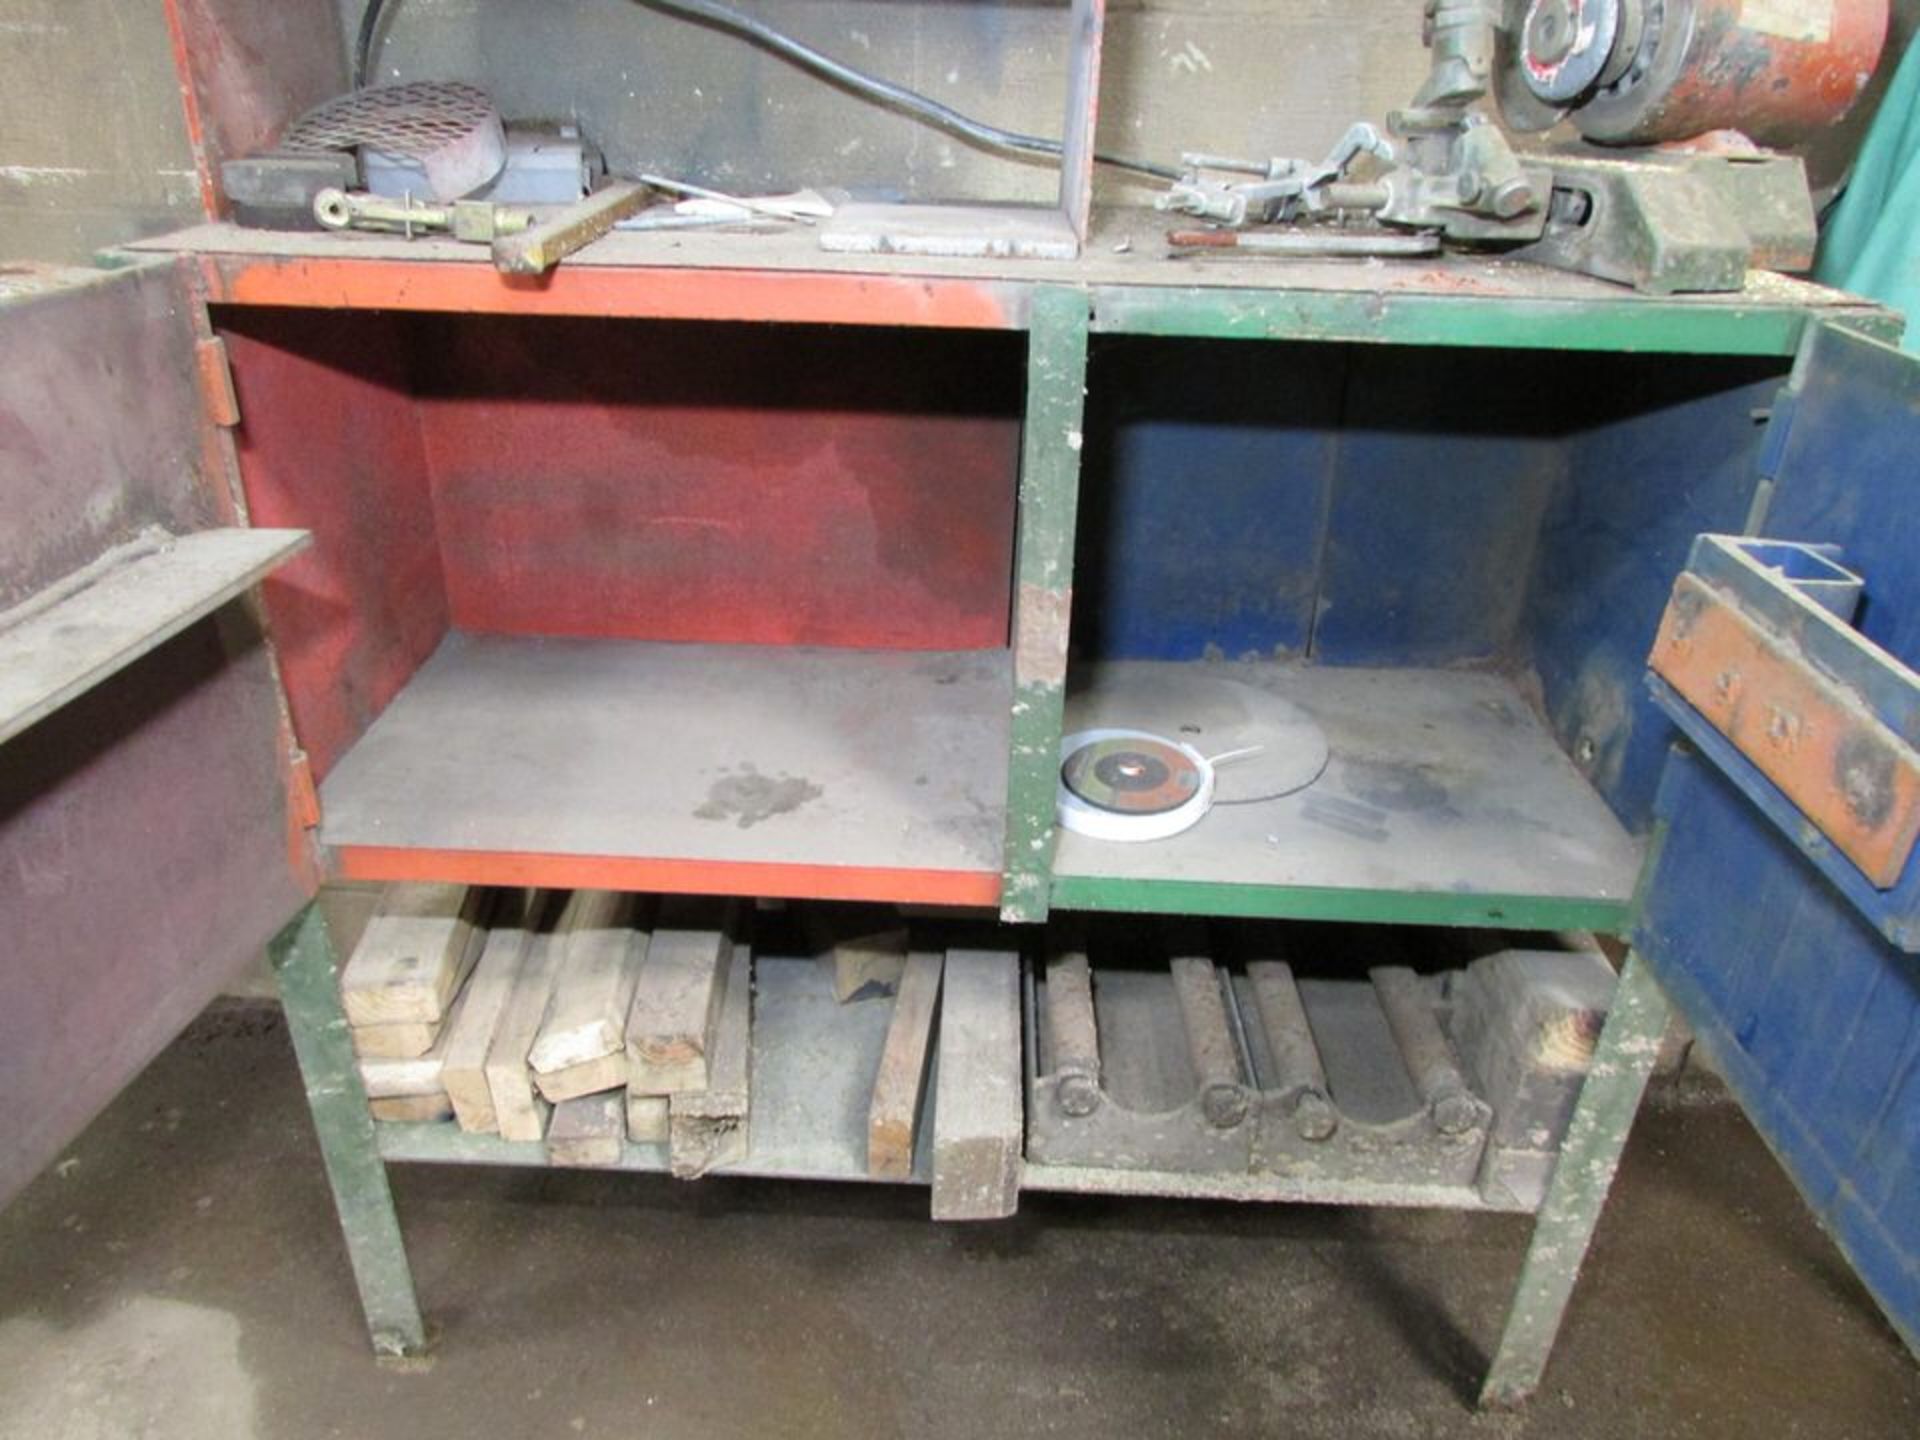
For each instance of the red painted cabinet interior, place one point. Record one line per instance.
(661, 481)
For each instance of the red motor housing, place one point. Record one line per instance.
(1776, 70)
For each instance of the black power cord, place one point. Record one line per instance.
(871, 87)
(364, 42)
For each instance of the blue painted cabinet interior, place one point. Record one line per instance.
(1787, 975)
(1383, 505)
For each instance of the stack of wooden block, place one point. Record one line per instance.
(584, 1020)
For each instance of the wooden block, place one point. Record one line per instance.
(519, 1111)
(696, 1145)
(977, 1124)
(670, 1026)
(477, 1017)
(588, 1130)
(649, 1118)
(901, 1082)
(730, 1070)
(394, 1042)
(412, 1109)
(861, 946)
(873, 962)
(393, 1079)
(600, 959)
(589, 1077)
(709, 1127)
(413, 955)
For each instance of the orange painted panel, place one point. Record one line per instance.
(678, 877)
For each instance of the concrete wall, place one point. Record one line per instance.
(92, 148)
(1257, 77)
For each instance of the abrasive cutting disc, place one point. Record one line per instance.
(1277, 747)
(1133, 775)
(1131, 785)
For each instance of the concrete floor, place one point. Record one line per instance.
(179, 1274)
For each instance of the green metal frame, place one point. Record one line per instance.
(1631, 324)
(1043, 591)
(1582, 1176)
(304, 960)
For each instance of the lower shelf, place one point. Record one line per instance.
(814, 1061)
(1445, 801)
(730, 769)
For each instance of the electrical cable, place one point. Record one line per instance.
(824, 66)
(886, 92)
(364, 42)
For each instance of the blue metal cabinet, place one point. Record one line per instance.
(1783, 914)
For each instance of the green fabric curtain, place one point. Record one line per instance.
(1872, 242)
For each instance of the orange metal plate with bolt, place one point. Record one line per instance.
(1854, 779)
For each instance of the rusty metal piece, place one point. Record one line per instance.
(1855, 779)
(1429, 1058)
(1224, 1098)
(1776, 70)
(1073, 1041)
(479, 221)
(1299, 1080)
(537, 250)
(1310, 241)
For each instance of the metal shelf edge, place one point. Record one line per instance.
(1392, 907)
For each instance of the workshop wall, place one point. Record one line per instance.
(93, 149)
(657, 92)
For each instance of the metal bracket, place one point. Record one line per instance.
(1756, 643)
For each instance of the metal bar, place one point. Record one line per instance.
(538, 249)
(1043, 595)
(1298, 1076)
(303, 958)
(1216, 1062)
(1424, 1049)
(1582, 1175)
(1073, 1036)
(1085, 26)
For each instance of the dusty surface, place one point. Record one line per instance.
(180, 1275)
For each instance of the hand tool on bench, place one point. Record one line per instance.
(539, 248)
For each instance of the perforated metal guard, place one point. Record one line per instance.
(452, 130)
